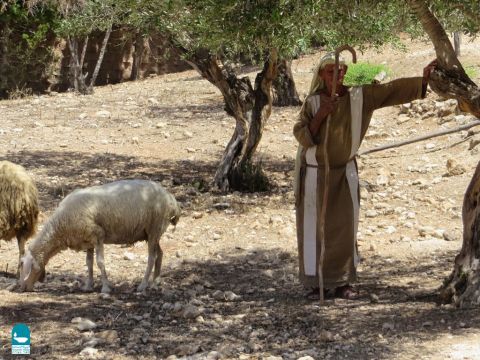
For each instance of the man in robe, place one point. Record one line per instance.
(351, 110)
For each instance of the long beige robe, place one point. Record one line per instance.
(348, 126)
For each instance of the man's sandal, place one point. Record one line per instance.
(346, 292)
(314, 294)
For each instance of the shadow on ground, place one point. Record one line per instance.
(57, 173)
(193, 313)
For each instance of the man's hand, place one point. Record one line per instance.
(427, 70)
(328, 105)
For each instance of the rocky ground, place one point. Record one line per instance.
(229, 288)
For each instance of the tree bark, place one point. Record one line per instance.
(462, 288)
(457, 40)
(84, 52)
(139, 48)
(4, 37)
(284, 90)
(78, 78)
(99, 59)
(248, 106)
(449, 78)
(262, 108)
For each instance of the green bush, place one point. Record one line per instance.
(363, 73)
(471, 71)
(26, 48)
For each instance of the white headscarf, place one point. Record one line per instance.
(328, 58)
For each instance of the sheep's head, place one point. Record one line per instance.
(30, 272)
(176, 212)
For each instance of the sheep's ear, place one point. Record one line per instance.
(26, 268)
(27, 263)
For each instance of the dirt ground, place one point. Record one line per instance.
(229, 286)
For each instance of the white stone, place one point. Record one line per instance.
(127, 255)
(425, 230)
(390, 229)
(382, 180)
(103, 114)
(83, 324)
(89, 352)
(231, 296)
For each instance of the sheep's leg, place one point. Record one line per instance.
(101, 265)
(158, 261)
(151, 260)
(89, 283)
(21, 251)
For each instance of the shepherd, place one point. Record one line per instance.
(350, 110)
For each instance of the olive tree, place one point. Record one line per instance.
(79, 19)
(273, 26)
(451, 81)
(215, 35)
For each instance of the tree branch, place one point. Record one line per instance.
(421, 138)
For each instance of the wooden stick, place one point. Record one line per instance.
(420, 138)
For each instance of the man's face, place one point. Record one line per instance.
(326, 74)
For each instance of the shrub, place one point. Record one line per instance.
(363, 73)
(249, 178)
(26, 48)
(471, 71)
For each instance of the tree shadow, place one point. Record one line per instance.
(267, 313)
(57, 173)
(203, 113)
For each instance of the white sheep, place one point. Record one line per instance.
(121, 212)
(18, 205)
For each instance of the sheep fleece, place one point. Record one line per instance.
(18, 202)
(121, 212)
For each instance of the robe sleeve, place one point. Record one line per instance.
(396, 92)
(301, 130)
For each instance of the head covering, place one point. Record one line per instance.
(328, 58)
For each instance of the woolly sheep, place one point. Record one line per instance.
(121, 212)
(18, 205)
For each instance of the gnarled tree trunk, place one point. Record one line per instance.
(139, 49)
(79, 79)
(457, 41)
(284, 90)
(463, 286)
(450, 80)
(101, 55)
(76, 65)
(250, 107)
(4, 35)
